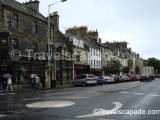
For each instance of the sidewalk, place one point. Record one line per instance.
(40, 89)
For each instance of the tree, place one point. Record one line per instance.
(126, 69)
(112, 67)
(155, 63)
(137, 69)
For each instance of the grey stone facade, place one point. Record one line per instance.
(25, 38)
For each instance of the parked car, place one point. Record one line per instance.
(152, 77)
(107, 79)
(145, 77)
(113, 76)
(133, 77)
(126, 77)
(119, 78)
(138, 77)
(85, 79)
(100, 80)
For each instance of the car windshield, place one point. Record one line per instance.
(81, 77)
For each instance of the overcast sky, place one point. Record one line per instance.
(135, 21)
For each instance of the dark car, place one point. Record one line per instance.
(108, 79)
(100, 80)
(145, 77)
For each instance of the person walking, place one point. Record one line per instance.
(37, 81)
(33, 81)
(43, 81)
(9, 84)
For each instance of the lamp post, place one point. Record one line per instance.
(49, 40)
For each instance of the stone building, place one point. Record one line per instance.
(22, 28)
(119, 51)
(91, 38)
(62, 45)
(80, 55)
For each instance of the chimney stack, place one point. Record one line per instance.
(55, 19)
(33, 5)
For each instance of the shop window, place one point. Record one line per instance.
(15, 43)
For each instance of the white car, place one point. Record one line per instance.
(85, 79)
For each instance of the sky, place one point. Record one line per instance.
(135, 21)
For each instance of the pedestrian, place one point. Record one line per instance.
(37, 81)
(43, 81)
(9, 84)
(33, 81)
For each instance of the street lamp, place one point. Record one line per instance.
(49, 40)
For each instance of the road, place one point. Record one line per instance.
(85, 103)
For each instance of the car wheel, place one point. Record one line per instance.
(101, 83)
(83, 84)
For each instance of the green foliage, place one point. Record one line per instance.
(112, 67)
(155, 63)
(137, 69)
(126, 69)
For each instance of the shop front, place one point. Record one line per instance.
(64, 72)
(81, 69)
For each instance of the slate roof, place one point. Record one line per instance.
(23, 8)
(70, 35)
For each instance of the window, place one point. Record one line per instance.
(97, 63)
(91, 76)
(34, 27)
(81, 77)
(34, 47)
(15, 21)
(91, 51)
(14, 43)
(70, 64)
(94, 63)
(91, 62)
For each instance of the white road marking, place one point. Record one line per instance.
(155, 95)
(124, 92)
(118, 105)
(65, 97)
(2, 115)
(33, 99)
(72, 97)
(50, 104)
(138, 93)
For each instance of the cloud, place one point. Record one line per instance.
(136, 21)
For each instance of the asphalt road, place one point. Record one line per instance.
(123, 101)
